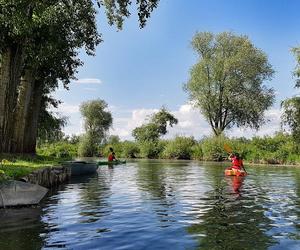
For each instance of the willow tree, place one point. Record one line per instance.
(226, 83)
(39, 44)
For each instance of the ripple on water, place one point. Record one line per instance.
(163, 205)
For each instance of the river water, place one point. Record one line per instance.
(163, 205)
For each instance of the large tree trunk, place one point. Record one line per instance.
(10, 73)
(31, 126)
(22, 112)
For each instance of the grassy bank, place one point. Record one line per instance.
(16, 166)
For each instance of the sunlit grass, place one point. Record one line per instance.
(16, 166)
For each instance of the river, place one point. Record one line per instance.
(153, 204)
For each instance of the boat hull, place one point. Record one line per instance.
(82, 167)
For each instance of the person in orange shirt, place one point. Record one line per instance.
(111, 156)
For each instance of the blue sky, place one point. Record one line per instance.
(136, 71)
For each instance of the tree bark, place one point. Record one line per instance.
(10, 73)
(31, 126)
(22, 112)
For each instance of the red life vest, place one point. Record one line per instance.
(236, 163)
(111, 157)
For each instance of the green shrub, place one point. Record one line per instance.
(58, 150)
(197, 153)
(179, 148)
(130, 149)
(213, 148)
(150, 149)
(87, 147)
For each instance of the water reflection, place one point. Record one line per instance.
(236, 182)
(234, 220)
(152, 181)
(163, 205)
(21, 228)
(76, 219)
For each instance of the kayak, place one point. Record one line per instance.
(110, 162)
(235, 172)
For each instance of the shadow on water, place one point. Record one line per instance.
(21, 228)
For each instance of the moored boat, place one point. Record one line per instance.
(81, 167)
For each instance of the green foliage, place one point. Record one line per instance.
(50, 125)
(156, 127)
(291, 116)
(130, 149)
(162, 119)
(113, 139)
(61, 149)
(227, 82)
(197, 153)
(213, 148)
(88, 147)
(97, 120)
(179, 148)
(150, 149)
(147, 132)
(117, 10)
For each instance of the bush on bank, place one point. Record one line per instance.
(179, 148)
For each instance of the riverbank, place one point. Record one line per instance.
(13, 166)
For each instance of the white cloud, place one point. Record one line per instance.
(190, 122)
(123, 126)
(88, 81)
(68, 109)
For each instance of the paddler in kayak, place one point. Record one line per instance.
(237, 162)
(111, 156)
(237, 166)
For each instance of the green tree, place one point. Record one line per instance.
(291, 106)
(39, 44)
(156, 127)
(97, 121)
(50, 125)
(226, 84)
(291, 116)
(44, 37)
(113, 139)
